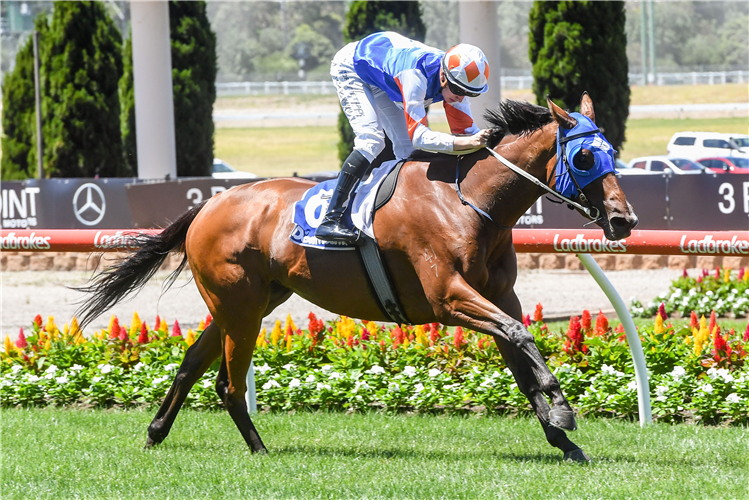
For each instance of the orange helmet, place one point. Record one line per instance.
(466, 69)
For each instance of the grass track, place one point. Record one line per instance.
(54, 453)
(281, 151)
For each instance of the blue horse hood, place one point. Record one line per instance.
(596, 143)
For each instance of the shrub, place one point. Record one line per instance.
(578, 46)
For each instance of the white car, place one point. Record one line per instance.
(222, 170)
(695, 145)
(653, 165)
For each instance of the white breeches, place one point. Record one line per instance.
(369, 110)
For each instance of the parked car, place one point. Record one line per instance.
(695, 145)
(726, 165)
(222, 170)
(662, 164)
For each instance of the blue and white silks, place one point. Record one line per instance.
(603, 152)
(310, 210)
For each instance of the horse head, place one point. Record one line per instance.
(584, 166)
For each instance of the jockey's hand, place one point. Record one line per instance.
(475, 141)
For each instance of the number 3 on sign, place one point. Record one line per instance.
(728, 205)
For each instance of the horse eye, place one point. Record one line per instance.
(584, 161)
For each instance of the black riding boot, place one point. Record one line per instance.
(333, 226)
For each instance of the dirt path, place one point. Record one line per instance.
(562, 293)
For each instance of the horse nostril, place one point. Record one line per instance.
(621, 223)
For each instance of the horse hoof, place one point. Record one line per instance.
(562, 419)
(577, 455)
(150, 443)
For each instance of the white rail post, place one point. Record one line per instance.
(250, 396)
(633, 339)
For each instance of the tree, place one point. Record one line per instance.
(19, 118)
(81, 107)
(367, 17)
(194, 83)
(578, 46)
(193, 90)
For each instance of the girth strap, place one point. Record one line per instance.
(381, 283)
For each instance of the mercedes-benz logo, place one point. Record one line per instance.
(92, 210)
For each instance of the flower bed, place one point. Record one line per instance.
(724, 292)
(697, 372)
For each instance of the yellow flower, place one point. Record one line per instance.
(190, 339)
(700, 336)
(75, 330)
(726, 275)
(276, 334)
(47, 345)
(51, 327)
(136, 324)
(65, 330)
(261, 342)
(289, 338)
(9, 347)
(289, 322)
(201, 325)
(373, 328)
(163, 327)
(746, 275)
(658, 329)
(111, 323)
(420, 335)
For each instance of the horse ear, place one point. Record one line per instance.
(586, 107)
(561, 116)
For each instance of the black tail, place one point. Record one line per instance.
(114, 283)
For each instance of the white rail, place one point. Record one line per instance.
(508, 83)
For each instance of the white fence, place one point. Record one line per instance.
(508, 82)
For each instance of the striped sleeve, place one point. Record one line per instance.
(459, 118)
(412, 84)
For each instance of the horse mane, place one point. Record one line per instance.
(515, 118)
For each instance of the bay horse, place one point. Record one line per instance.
(238, 248)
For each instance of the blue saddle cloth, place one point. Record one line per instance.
(309, 213)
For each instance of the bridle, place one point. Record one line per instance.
(589, 210)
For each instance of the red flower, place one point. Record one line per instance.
(365, 334)
(694, 322)
(21, 342)
(458, 338)
(538, 314)
(208, 320)
(602, 324)
(398, 336)
(574, 342)
(123, 334)
(38, 321)
(586, 321)
(699, 279)
(662, 311)
(704, 272)
(350, 341)
(713, 323)
(143, 337)
(741, 273)
(527, 320)
(685, 273)
(434, 333)
(746, 333)
(176, 330)
(717, 272)
(158, 322)
(115, 332)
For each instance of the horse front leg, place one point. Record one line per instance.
(529, 386)
(466, 307)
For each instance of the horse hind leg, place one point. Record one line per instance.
(238, 339)
(198, 358)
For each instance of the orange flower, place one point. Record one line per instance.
(538, 314)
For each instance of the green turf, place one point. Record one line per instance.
(282, 151)
(54, 453)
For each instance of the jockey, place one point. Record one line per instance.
(384, 83)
